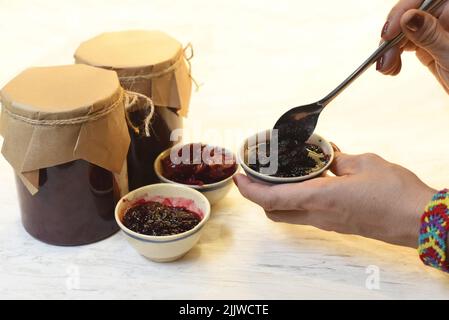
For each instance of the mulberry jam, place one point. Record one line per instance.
(295, 159)
(74, 205)
(144, 150)
(158, 219)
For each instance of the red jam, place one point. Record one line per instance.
(199, 164)
(157, 219)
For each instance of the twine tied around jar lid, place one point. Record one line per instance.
(46, 122)
(131, 100)
(94, 116)
(132, 104)
(185, 56)
(189, 63)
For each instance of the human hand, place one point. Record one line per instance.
(368, 196)
(427, 35)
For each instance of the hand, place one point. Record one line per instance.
(368, 196)
(425, 34)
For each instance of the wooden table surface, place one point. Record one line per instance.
(254, 59)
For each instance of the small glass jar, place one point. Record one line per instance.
(144, 149)
(153, 64)
(67, 141)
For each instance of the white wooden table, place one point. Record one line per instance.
(254, 59)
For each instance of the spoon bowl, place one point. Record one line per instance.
(300, 121)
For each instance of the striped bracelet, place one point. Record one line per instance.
(434, 232)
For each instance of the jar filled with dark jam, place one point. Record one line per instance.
(74, 206)
(144, 149)
(155, 65)
(67, 142)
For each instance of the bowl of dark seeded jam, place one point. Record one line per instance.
(208, 169)
(284, 159)
(163, 221)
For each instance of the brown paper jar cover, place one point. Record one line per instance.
(148, 62)
(153, 64)
(66, 137)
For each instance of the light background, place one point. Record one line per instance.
(254, 60)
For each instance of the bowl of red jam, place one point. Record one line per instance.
(270, 159)
(208, 169)
(163, 221)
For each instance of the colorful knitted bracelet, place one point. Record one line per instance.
(434, 232)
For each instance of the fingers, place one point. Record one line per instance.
(343, 164)
(393, 26)
(294, 217)
(335, 147)
(390, 63)
(346, 165)
(426, 32)
(321, 220)
(312, 195)
(279, 197)
(307, 203)
(254, 192)
(425, 58)
(444, 17)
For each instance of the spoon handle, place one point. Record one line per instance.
(427, 5)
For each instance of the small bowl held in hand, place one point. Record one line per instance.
(248, 151)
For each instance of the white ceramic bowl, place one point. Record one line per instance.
(214, 192)
(258, 177)
(164, 248)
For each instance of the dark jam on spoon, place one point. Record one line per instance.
(198, 170)
(292, 133)
(156, 219)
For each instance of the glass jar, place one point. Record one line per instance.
(153, 64)
(67, 142)
(74, 206)
(144, 149)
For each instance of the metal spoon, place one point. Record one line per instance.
(300, 122)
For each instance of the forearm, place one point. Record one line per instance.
(398, 220)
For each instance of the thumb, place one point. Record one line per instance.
(425, 31)
(344, 164)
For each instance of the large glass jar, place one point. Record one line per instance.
(74, 206)
(67, 142)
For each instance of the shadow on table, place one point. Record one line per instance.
(217, 237)
(309, 249)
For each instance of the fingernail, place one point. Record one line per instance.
(380, 63)
(385, 28)
(415, 23)
(335, 147)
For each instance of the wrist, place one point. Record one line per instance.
(416, 211)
